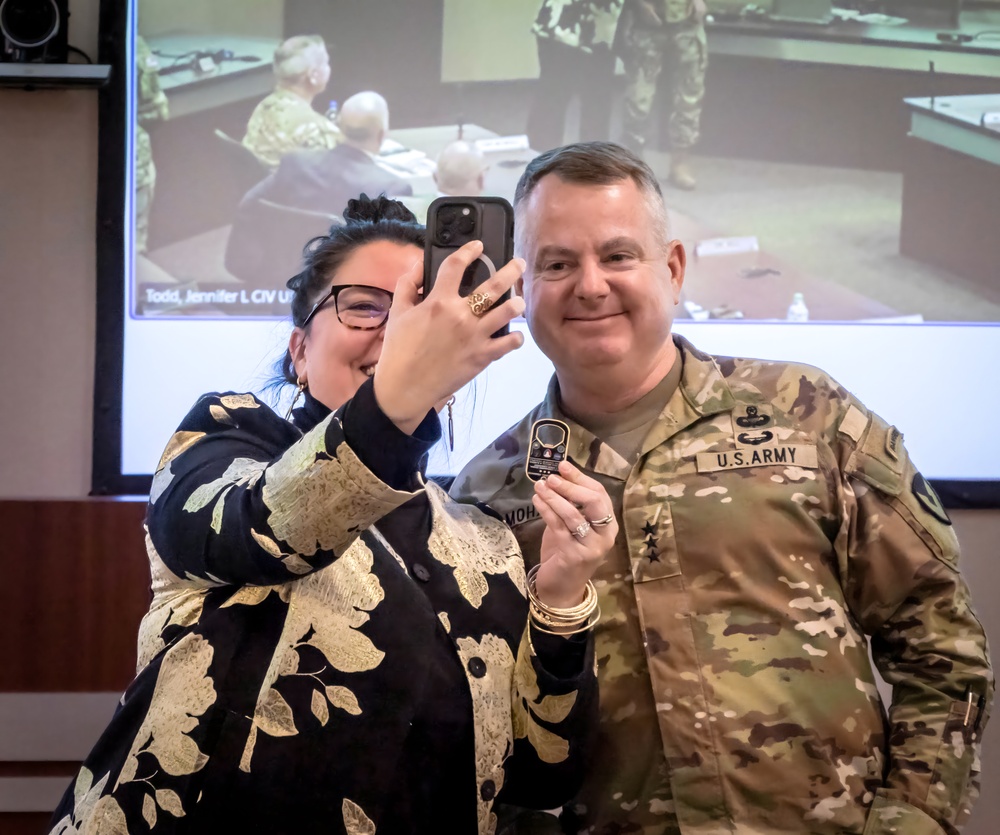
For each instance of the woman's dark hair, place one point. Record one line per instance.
(366, 220)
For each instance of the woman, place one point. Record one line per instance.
(333, 645)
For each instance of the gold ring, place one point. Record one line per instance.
(600, 523)
(480, 303)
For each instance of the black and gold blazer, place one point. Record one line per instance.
(333, 645)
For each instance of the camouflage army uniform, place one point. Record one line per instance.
(152, 107)
(574, 39)
(583, 24)
(285, 122)
(643, 49)
(771, 527)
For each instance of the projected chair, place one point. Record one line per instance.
(265, 243)
(245, 169)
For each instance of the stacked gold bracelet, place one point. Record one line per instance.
(555, 621)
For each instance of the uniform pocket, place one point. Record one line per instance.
(890, 816)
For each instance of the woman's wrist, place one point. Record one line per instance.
(392, 454)
(558, 599)
(562, 620)
(404, 415)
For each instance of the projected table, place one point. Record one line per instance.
(761, 286)
(951, 186)
(191, 90)
(852, 43)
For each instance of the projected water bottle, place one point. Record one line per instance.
(797, 310)
(331, 111)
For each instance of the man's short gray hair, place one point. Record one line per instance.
(364, 116)
(292, 59)
(590, 163)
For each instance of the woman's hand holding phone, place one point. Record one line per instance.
(435, 346)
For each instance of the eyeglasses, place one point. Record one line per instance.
(358, 306)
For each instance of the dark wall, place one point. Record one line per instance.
(405, 66)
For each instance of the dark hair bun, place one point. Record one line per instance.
(365, 209)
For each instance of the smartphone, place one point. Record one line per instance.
(453, 222)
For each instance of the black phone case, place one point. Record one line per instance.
(493, 224)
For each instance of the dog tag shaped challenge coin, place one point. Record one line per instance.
(546, 448)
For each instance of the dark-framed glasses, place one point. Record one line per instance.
(358, 306)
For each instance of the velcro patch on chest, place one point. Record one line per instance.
(789, 455)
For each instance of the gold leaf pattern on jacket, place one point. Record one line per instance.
(220, 506)
(252, 595)
(169, 801)
(149, 810)
(274, 715)
(491, 709)
(343, 698)
(473, 545)
(242, 471)
(239, 401)
(175, 603)
(161, 481)
(220, 415)
(356, 822)
(331, 603)
(179, 442)
(85, 796)
(293, 562)
(183, 692)
(305, 481)
(108, 819)
(549, 747)
(164, 581)
(319, 707)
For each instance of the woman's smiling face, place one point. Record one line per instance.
(333, 359)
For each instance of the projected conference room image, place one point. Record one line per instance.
(842, 160)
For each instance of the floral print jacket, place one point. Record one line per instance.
(333, 645)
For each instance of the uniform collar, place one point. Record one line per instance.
(702, 392)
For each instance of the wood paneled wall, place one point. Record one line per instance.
(73, 588)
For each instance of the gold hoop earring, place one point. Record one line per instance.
(302, 386)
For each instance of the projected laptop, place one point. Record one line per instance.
(802, 11)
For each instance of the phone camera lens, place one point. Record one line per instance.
(466, 225)
(444, 235)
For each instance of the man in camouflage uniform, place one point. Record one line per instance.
(285, 121)
(651, 32)
(773, 529)
(574, 40)
(152, 107)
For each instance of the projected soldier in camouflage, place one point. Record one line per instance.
(651, 32)
(285, 121)
(151, 107)
(773, 529)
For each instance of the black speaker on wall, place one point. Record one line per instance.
(33, 31)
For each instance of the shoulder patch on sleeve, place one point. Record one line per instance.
(854, 423)
(872, 460)
(881, 461)
(929, 499)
